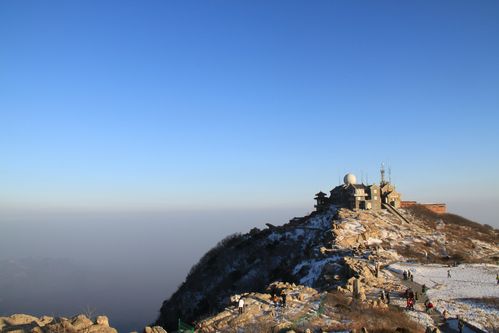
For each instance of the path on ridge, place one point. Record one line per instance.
(449, 326)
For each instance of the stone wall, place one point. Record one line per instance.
(439, 208)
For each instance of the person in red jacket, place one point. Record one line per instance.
(428, 306)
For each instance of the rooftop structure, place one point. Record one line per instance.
(360, 196)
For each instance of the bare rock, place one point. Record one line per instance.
(154, 329)
(45, 320)
(102, 320)
(100, 329)
(36, 329)
(19, 319)
(81, 322)
(158, 329)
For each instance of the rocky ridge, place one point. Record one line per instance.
(22, 323)
(332, 262)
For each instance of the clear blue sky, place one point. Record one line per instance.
(246, 104)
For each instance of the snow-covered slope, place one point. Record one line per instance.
(328, 251)
(244, 263)
(464, 293)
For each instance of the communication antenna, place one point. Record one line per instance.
(382, 173)
(389, 174)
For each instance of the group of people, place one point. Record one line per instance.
(385, 296)
(408, 275)
(410, 297)
(277, 298)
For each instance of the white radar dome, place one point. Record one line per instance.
(350, 179)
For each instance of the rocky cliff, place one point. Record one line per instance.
(338, 254)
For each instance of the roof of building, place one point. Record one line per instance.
(320, 194)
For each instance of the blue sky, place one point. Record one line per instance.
(246, 104)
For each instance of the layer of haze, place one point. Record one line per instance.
(121, 265)
(135, 135)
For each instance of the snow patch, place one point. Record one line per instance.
(315, 267)
(450, 294)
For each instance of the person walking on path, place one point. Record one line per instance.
(497, 278)
(460, 324)
(387, 297)
(428, 306)
(283, 296)
(275, 300)
(448, 274)
(272, 292)
(241, 305)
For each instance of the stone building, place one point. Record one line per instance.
(356, 196)
(360, 196)
(322, 201)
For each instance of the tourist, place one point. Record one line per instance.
(448, 274)
(405, 275)
(460, 324)
(387, 297)
(272, 292)
(428, 306)
(424, 288)
(241, 305)
(410, 294)
(410, 303)
(445, 314)
(406, 293)
(283, 296)
(497, 278)
(275, 300)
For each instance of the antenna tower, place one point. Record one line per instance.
(382, 173)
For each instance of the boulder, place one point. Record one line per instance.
(19, 319)
(154, 329)
(60, 325)
(81, 322)
(99, 329)
(45, 320)
(102, 320)
(36, 329)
